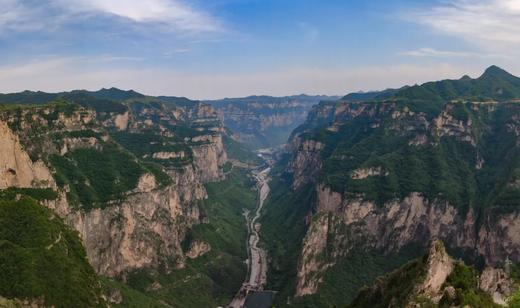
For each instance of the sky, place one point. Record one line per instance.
(209, 49)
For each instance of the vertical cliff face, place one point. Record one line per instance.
(17, 168)
(388, 175)
(134, 211)
(146, 230)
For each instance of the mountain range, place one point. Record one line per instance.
(405, 197)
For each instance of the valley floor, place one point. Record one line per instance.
(257, 258)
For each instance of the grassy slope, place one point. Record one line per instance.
(42, 258)
(212, 279)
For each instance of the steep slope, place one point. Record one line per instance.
(436, 280)
(128, 172)
(388, 176)
(494, 84)
(42, 260)
(265, 121)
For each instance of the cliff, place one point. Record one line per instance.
(131, 201)
(393, 174)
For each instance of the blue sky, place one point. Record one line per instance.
(225, 48)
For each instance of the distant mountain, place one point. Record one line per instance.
(39, 97)
(265, 121)
(116, 94)
(371, 95)
(494, 84)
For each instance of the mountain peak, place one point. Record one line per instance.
(495, 71)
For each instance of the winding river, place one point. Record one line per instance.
(257, 259)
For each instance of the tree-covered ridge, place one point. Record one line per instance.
(494, 84)
(42, 260)
(471, 164)
(459, 151)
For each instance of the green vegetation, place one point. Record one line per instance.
(394, 288)
(38, 194)
(212, 279)
(495, 84)
(130, 297)
(238, 151)
(341, 284)
(145, 144)
(442, 169)
(465, 281)
(97, 177)
(283, 229)
(42, 258)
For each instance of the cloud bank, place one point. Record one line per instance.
(32, 15)
(483, 22)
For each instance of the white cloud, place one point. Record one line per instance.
(434, 53)
(485, 22)
(23, 15)
(73, 73)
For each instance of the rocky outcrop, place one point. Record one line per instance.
(345, 224)
(146, 227)
(306, 161)
(439, 266)
(209, 156)
(146, 230)
(497, 284)
(198, 249)
(16, 167)
(121, 121)
(364, 173)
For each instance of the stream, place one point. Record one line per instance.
(251, 294)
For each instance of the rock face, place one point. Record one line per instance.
(144, 227)
(198, 249)
(362, 199)
(16, 167)
(307, 163)
(145, 231)
(209, 157)
(436, 280)
(438, 267)
(498, 284)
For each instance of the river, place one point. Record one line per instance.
(257, 257)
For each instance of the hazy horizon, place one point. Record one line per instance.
(238, 48)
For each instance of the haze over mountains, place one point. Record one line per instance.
(115, 198)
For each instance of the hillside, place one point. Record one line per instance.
(384, 177)
(135, 177)
(436, 280)
(42, 260)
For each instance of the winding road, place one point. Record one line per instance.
(257, 259)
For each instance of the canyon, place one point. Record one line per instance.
(166, 202)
